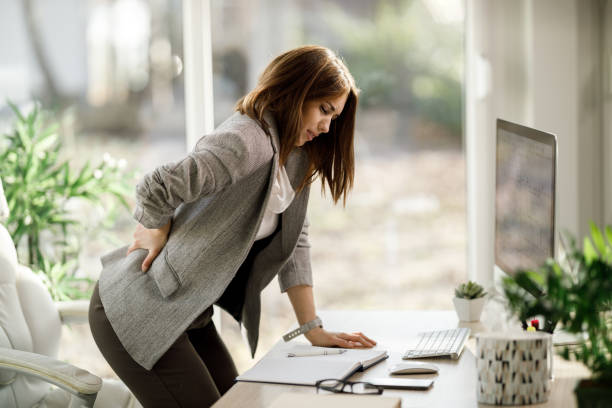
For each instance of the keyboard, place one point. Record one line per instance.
(439, 343)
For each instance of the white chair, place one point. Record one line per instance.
(30, 330)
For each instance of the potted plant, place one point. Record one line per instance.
(40, 187)
(576, 293)
(469, 301)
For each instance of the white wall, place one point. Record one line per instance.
(544, 59)
(606, 65)
(567, 101)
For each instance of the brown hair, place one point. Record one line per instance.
(293, 78)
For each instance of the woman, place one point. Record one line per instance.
(217, 226)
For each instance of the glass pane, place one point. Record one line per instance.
(400, 242)
(110, 71)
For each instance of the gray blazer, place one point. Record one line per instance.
(216, 198)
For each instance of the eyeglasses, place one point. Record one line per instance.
(349, 387)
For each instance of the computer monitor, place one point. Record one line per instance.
(524, 197)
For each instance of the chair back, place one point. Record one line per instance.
(29, 321)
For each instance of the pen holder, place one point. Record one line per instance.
(513, 368)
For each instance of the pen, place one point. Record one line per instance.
(316, 353)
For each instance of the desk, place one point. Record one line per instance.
(454, 386)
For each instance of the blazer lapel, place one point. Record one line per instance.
(297, 165)
(292, 218)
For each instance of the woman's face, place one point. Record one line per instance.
(317, 115)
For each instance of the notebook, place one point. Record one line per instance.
(276, 367)
(301, 400)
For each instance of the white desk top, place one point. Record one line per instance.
(455, 384)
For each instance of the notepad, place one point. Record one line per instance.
(301, 400)
(276, 367)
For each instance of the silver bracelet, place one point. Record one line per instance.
(303, 329)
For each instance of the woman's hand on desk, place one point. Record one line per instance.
(323, 338)
(152, 240)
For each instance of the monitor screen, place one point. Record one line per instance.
(524, 197)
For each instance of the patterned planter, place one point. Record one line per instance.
(513, 368)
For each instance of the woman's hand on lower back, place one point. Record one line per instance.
(321, 337)
(152, 240)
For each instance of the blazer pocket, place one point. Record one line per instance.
(164, 275)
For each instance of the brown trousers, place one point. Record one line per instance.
(195, 371)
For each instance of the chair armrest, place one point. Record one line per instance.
(75, 380)
(73, 311)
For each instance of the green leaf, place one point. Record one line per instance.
(66, 170)
(608, 231)
(598, 239)
(590, 254)
(23, 134)
(53, 172)
(45, 143)
(49, 131)
(525, 282)
(31, 118)
(16, 110)
(536, 277)
(84, 175)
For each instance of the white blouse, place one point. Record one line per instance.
(281, 196)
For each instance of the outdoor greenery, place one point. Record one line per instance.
(43, 192)
(401, 59)
(470, 290)
(577, 293)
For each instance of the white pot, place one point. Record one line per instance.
(469, 310)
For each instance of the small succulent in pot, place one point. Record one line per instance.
(470, 290)
(469, 301)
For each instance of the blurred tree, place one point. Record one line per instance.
(402, 59)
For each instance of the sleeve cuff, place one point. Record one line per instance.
(297, 271)
(284, 286)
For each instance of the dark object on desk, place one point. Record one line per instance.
(525, 170)
(402, 383)
(348, 387)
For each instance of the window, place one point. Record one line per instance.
(117, 86)
(400, 242)
(112, 76)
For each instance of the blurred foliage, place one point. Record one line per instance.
(42, 193)
(402, 59)
(576, 293)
